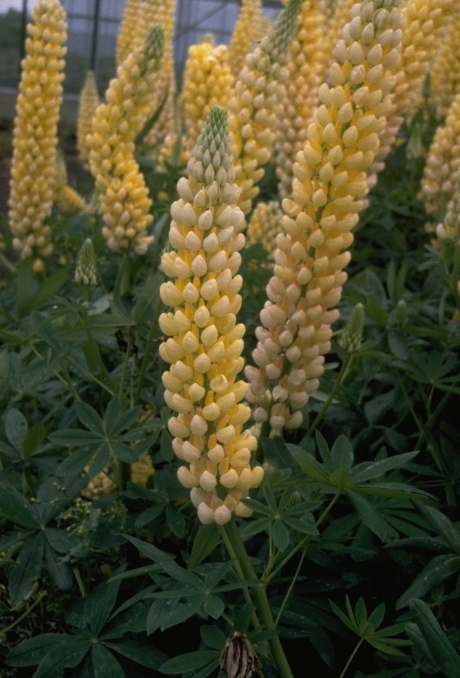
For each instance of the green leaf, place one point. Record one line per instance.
(26, 287)
(308, 464)
(188, 662)
(370, 516)
(166, 445)
(16, 428)
(99, 604)
(33, 438)
(175, 521)
(182, 613)
(361, 615)
(33, 650)
(143, 654)
(214, 606)
(147, 302)
(158, 611)
(76, 462)
(447, 659)
(74, 437)
(16, 508)
(376, 469)
(213, 637)
(60, 572)
(438, 569)
(67, 653)
(169, 566)
(349, 623)
(341, 479)
(443, 526)
(90, 418)
(324, 451)
(206, 541)
(280, 535)
(104, 663)
(26, 569)
(342, 454)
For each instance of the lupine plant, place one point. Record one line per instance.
(229, 355)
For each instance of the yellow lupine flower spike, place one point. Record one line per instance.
(35, 131)
(245, 34)
(442, 169)
(445, 83)
(254, 107)
(129, 37)
(265, 224)
(424, 26)
(205, 342)
(328, 189)
(301, 92)
(207, 81)
(123, 196)
(66, 197)
(89, 101)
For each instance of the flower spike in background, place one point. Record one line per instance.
(205, 342)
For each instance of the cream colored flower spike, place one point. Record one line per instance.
(329, 184)
(244, 34)
(205, 342)
(35, 132)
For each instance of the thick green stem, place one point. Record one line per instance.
(260, 596)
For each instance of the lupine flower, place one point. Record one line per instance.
(424, 26)
(85, 271)
(265, 224)
(352, 334)
(129, 36)
(205, 342)
(245, 34)
(442, 169)
(123, 196)
(445, 83)
(301, 92)
(254, 107)
(207, 81)
(142, 469)
(89, 101)
(337, 15)
(66, 197)
(35, 132)
(328, 188)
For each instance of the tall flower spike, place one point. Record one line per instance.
(129, 37)
(445, 83)
(424, 27)
(301, 92)
(205, 344)
(328, 189)
(207, 81)
(123, 196)
(442, 169)
(254, 107)
(35, 131)
(245, 34)
(66, 197)
(89, 101)
(265, 224)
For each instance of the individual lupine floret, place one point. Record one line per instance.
(445, 82)
(301, 92)
(66, 197)
(328, 188)
(254, 107)
(442, 169)
(35, 132)
(123, 196)
(424, 26)
(205, 342)
(265, 224)
(89, 101)
(129, 36)
(245, 34)
(207, 81)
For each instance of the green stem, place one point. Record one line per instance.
(68, 381)
(338, 383)
(261, 600)
(26, 613)
(291, 586)
(351, 657)
(123, 371)
(79, 580)
(268, 575)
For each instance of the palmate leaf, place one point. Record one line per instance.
(33, 650)
(15, 507)
(66, 654)
(188, 662)
(206, 540)
(143, 654)
(104, 663)
(438, 569)
(26, 568)
(99, 604)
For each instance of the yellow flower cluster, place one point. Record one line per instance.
(205, 342)
(328, 188)
(123, 196)
(142, 469)
(66, 197)
(424, 26)
(89, 101)
(301, 92)
(245, 34)
(35, 131)
(129, 36)
(207, 80)
(441, 174)
(254, 106)
(265, 224)
(337, 14)
(445, 82)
